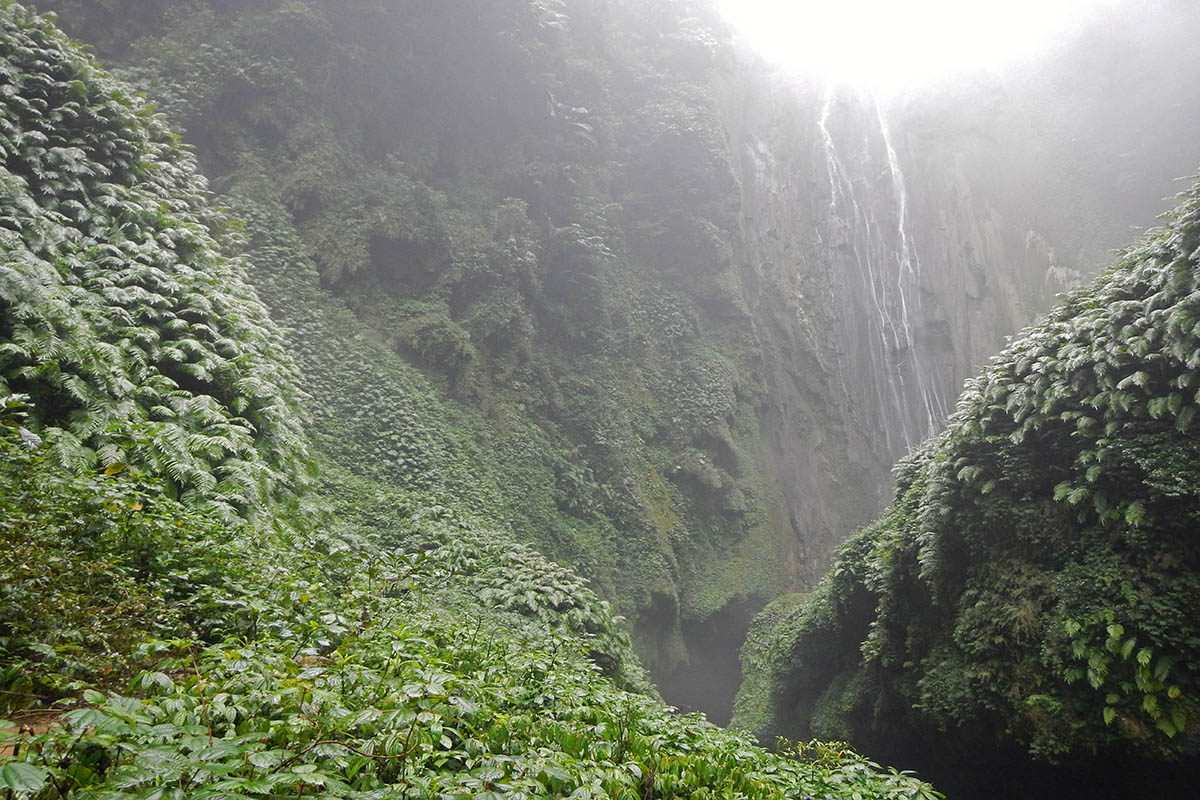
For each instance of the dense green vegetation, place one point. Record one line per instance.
(422, 657)
(136, 337)
(506, 275)
(1035, 584)
(281, 482)
(170, 628)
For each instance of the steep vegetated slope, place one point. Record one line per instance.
(124, 319)
(532, 205)
(1034, 590)
(362, 642)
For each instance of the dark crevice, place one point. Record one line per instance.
(708, 680)
(972, 773)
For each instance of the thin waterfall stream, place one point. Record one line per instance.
(875, 235)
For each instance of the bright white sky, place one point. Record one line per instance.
(889, 45)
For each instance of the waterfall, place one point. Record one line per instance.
(908, 280)
(868, 219)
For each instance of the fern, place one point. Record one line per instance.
(115, 292)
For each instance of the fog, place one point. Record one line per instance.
(898, 47)
(662, 291)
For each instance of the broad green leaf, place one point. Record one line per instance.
(22, 778)
(268, 759)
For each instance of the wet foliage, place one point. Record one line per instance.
(118, 306)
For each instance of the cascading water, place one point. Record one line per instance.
(877, 278)
(909, 279)
(867, 222)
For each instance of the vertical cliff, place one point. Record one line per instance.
(888, 247)
(875, 286)
(1030, 596)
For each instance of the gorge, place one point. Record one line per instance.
(578, 286)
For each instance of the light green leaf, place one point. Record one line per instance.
(22, 778)
(1127, 648)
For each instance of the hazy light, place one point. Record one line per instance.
(890, 44)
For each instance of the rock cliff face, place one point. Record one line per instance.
(1031, 593)
(888, 249)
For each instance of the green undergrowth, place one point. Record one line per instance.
(122, 314)
(116, 559)
(90, 564)
(1035, 583)
(398, 653)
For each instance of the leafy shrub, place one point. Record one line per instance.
(91, 564)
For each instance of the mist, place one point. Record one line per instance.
(824, 369)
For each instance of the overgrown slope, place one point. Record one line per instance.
(418, 656)
(1036, 584)
(538, 235)
(349, 638)
(122, 317)
(509, 273)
